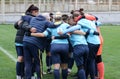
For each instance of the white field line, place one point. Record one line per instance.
(8, 54)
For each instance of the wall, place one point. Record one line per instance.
(104, 17)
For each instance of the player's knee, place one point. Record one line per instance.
(64, 66)
(98, 59)
(56, 66)
(48, 54)
(20, 59)
(80, 67)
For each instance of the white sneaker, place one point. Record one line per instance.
(18, 77)
(44, 73)
(32, 77)
(69, 71)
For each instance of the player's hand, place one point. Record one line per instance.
(19, 22)
(28, 33)
(60, 32)
(53, 37)
(87, 33)
(96, 33)
(33, 30)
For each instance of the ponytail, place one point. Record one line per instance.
(81, 10)
(31, 8)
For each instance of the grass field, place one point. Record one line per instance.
(111, 52)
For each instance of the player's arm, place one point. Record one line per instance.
(25, 26)
(91, 32)
(38, 34)
(44, 34)
(60, 37)
(71, 29)
(97, 23)
(18, 24)
(79, 32)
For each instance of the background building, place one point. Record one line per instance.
(19, 6)
(14, 8)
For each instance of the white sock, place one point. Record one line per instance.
(48, 67)
(32, 77)
(18, 77)
(69, 70)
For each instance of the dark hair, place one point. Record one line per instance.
(81, 10)
(31, 8)
(71, 21)
(51, 14)
(96, 17)
(76, 13)
(72, 11)
(65, 17)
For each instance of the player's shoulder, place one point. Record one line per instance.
(65, 24)
(83, 21)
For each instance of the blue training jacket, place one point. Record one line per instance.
(21, 29)
(77, 39)
(40, 23)
(54, 32)
(87, 24)
(84, 24)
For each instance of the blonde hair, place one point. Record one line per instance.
(58, 16)
(46, 15)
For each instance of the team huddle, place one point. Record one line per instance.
(65, 38)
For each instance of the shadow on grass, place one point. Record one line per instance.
(50, 76)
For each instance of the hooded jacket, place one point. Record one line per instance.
(24, 26)
(40, 23)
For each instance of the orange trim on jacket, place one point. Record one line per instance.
(90, 17)
(101, 43)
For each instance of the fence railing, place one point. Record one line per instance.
(19, 6)
(11, 10)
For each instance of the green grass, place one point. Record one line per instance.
(7, 67)
(111, 52)
(7, 37)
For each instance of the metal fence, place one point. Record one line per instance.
(19, 6)
(108, 11)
